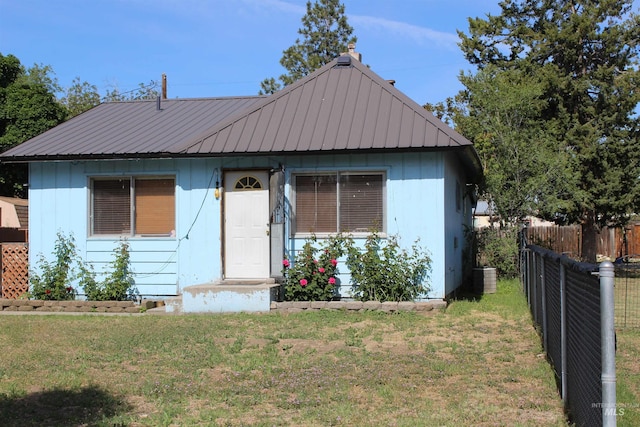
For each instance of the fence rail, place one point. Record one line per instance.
(569, 304)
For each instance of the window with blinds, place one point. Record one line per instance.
(134, 206)
(333, 202)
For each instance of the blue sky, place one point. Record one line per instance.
(211, 48)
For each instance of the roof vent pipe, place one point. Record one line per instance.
(164, 86)
(158, 104)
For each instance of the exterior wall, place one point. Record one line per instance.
(414, 203)
(418, 206)
(458, 218)
(59, 202)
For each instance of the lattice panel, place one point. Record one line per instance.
(15, 269)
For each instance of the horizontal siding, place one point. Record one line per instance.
(162, 263)
(138, 256)
(156, 289)
(59, 202)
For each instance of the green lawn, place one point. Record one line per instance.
(628, 376)
(479, 363)
(627, 314)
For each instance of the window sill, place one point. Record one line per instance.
(355, 235)
(136, 237)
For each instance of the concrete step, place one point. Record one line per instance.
(227, 296)
(172, 305)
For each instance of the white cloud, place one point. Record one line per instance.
(420, 35)
(278, 5)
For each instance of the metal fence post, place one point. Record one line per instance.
(534, 295)
(543, 301)
(563, 333)
(608, 338)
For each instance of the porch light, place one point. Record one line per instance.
(216, 192)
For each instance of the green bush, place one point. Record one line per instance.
(498, 248)
(119, 284)
(384, 272)
(312, 274)
(53, 282)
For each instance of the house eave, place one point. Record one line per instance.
(465, 154)
(83, 157)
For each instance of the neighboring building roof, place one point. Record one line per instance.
(343, 106)
(15, 200)
(23, 215)
(21, 207)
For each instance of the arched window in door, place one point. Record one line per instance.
(247, 183)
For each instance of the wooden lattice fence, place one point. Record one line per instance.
(14, 264)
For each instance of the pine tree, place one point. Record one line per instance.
(325, 35)
(583, 55)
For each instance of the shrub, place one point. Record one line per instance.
(312, 277)
(384, 272)
(119, 284)
(55, 278)
(498, 248)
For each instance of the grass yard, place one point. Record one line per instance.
(479, 363)
(628, 377)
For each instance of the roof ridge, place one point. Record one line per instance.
(267, 100)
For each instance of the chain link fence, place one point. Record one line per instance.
(565, 301)
(627, 294)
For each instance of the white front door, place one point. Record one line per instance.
(246, 225)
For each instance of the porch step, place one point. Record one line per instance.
(227, 296)
(172, 305)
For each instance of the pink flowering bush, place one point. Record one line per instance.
(311, 276)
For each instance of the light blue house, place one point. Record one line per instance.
(218, 190)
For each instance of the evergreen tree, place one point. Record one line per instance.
(500, 110)
(325, 35)
(582, 57)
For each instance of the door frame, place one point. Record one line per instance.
(223, 206)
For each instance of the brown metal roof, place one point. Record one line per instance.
(341, 106)
(133, 128)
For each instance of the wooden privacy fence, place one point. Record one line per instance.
(14, 265)
(613, 242)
